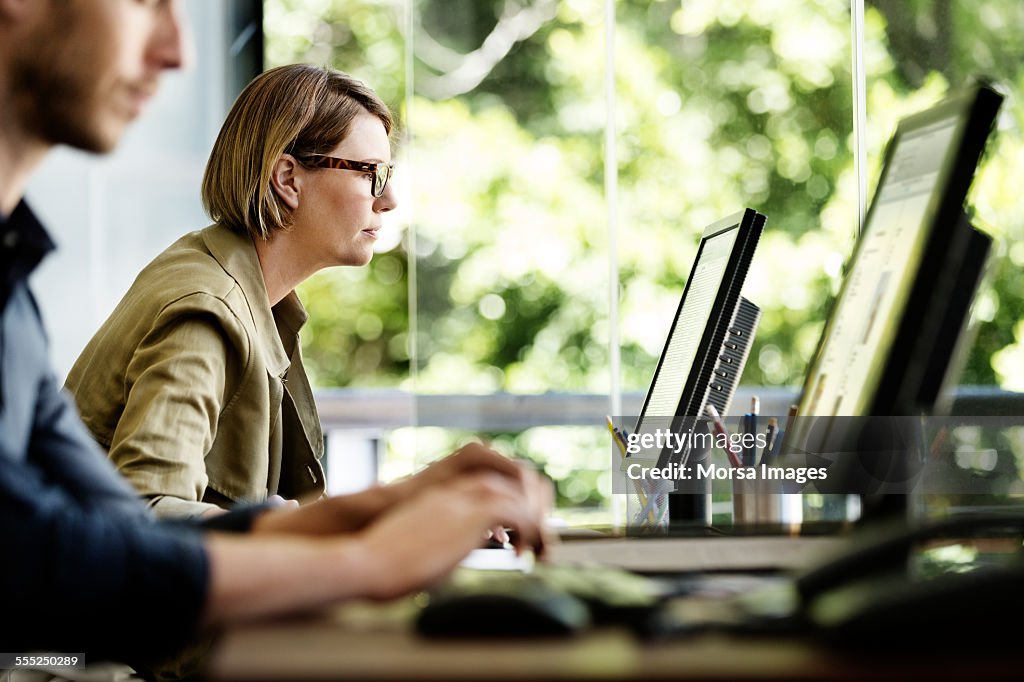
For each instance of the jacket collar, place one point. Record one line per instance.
(237, 255)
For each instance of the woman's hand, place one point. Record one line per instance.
(351, 513)
(422, 540)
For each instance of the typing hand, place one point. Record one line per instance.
(422, 540)
(471, 458)
(351, 513)
(498, 535)
(477, 458)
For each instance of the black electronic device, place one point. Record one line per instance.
(707, 346)
(527, 609)
(890, 587)
(891, 591)
(887, 339)
(684, 375)
(891, 338)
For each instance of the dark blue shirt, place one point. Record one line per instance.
(83, 565)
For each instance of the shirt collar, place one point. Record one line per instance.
(23, 244)
(23, 239)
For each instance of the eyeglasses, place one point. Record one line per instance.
(380, 172)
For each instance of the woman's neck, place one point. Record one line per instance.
(283, 266)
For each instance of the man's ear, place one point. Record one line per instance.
(284, 179)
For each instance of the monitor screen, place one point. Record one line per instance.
(901, 257)
(690, 322)
(683, 377)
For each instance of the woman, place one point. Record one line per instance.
(195, 384)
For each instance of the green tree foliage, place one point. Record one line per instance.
(497, 273)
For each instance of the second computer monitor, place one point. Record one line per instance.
(885, 329)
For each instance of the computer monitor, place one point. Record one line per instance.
(704, 352)
(683, 377)
(890, 338)
(905, 267)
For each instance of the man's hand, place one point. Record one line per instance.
(405, 550)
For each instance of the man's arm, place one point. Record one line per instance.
(79, 577)
(404, 550)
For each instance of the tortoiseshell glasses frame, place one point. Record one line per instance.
(380, 172)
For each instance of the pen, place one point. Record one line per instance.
(769, 439)
(781, 434)
(716, 420)
(789, 418)
(744, 430)
(750, 452)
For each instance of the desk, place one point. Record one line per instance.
(376, 642)
(342, 645)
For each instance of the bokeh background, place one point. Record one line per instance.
(495, 274)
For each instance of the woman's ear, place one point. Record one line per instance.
(284, 179)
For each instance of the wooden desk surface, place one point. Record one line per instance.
(360, 642)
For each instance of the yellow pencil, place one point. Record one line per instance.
(622, 451)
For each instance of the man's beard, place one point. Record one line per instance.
(52, 96)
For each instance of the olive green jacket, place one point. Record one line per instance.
(195, 386)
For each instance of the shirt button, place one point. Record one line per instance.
(10, 239)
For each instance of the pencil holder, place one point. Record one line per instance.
(762, 502)
(648, 509)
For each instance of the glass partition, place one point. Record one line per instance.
(528, 258)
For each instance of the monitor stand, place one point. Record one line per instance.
(690, 505)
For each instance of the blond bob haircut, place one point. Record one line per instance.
(298, 109)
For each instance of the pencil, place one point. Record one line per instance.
(792, 415)
(620, 442)
(716, 420)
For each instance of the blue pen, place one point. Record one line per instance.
(777, 446)
(748, 449)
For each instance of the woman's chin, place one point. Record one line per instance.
(358, 260)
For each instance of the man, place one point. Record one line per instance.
(85, 568)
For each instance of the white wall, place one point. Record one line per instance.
(110, 215)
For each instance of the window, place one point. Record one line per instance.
(519, 221)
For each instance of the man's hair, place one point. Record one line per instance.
(297, 109)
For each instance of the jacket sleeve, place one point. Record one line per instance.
(83, 564)
(178, 381)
